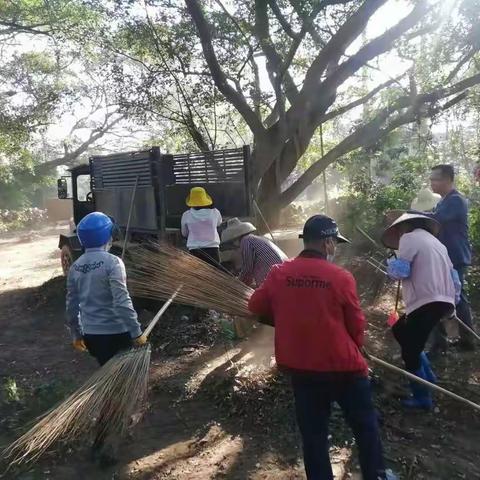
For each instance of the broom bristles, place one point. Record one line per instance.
(157, 271)
(114, 391)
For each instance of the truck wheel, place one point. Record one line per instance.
(66, 257)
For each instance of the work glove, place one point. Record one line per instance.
(141, 340)
(79, 345)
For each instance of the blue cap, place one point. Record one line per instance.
(94, 230)
(321, 226)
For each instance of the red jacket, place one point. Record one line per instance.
(319, 325)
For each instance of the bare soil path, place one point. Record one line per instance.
(213, 414)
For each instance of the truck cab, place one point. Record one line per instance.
(154, 187)
(80, 192)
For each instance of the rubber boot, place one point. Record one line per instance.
(427, 368)
(421, 396)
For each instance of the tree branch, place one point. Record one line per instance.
(379, 44)
(337, 45)
(383, 123)
(360, 101)
(308, 25)
(277, 74)
(326, 92)
(282, 20)
(69, 157)
(465, 59)
(219, 77)
(13, 27)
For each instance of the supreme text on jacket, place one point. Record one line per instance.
(319, 325)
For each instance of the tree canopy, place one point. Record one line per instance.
(270, 72)
(274, 71)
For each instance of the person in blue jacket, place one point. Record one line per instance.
(452, 214)
(100, 314)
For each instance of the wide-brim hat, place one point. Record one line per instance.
(198, 197)
(235, 229)
(391, 236)
(425, 200)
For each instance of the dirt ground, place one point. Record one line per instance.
(216, 409)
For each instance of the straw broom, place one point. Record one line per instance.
(155, 271)
(114, 392)
(207, 287)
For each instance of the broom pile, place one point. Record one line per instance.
(156, 271)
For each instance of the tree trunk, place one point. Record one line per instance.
(268, 200)
(269, 195)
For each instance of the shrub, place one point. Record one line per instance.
(11, 220)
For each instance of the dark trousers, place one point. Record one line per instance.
(104, 347)
(208, 255)
(412, 331)
(313, 400)
(440, 337)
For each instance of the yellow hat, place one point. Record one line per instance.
(198, 197)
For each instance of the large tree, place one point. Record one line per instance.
(307, 98)
(315, 54)
(272, 72)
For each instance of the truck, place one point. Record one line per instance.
(152, 186)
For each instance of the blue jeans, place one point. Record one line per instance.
(313, 399)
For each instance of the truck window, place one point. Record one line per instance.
(83, 187)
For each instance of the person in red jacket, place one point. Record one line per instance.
(319, 332)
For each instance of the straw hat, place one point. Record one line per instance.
(425, 200)
(391, 236)
(235, 229)
(198, 197)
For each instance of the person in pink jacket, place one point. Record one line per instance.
(430, 289)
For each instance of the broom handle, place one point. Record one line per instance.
(263, 219)
(464, 325)
(217, 264)
(157, 317)
(398, 295)
(368, 237)
(127, 229)
(376, 267)
(422, 381)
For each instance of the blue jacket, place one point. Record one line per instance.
(452, 213)
(98, 301)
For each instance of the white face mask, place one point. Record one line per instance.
(108, 245)
(331, 250)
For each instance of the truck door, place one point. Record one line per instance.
(83, 202)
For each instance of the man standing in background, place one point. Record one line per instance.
(452, 213)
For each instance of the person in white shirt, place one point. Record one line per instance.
(200, 226)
